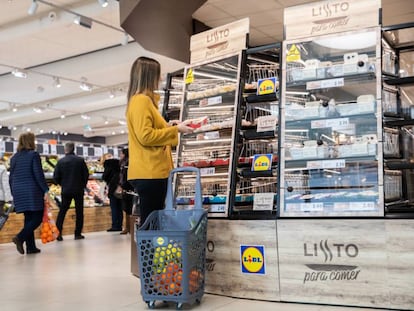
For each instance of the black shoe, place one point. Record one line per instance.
(59, 238)
(19, 245)
(79, 237)
(114, 229)
(33, 251)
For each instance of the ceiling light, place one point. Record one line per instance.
(111, 94)
(37, 109)
(85, 117)
(14, 128)
(122, 122)
(83, 21)
(13, 107)
(28, 129)
(84, 85)
(19, 73)
(33, 8)
(113, 133)
(62, 116)
(41, 131)
(56, 82)
(106, 121)
(103, 3)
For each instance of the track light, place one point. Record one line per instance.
(84, 86)
(19, 73)
(83, 21)
(63, 115)
(33, 8)
(111, 94)
(37, 109)
(13, 107)
(103, 3)
(56, 82)
(85, 117)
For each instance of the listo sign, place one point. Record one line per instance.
(329, 254)
(330, 15)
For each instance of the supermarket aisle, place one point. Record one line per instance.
(94, 274)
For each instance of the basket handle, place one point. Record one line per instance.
(169, 200)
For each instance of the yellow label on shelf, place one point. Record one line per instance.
(293, 54)
(190, 76)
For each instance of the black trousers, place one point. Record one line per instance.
(152, 193)
(32, 220)
(66, 200)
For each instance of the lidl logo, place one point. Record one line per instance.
(266, 86)
(252, 259)
(262, 162)
(160, 240)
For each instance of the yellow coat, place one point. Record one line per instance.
(149, 139)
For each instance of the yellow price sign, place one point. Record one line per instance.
(293, 54)
(189, 78)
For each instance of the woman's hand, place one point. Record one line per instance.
(183, 128)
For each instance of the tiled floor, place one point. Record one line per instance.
(94, 274)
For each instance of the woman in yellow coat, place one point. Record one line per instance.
(150, 137)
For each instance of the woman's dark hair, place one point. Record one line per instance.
(125, 152)
(26, 142)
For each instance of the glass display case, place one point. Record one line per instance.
(331, 140)
(255, 186)
(210, 106)
(398, 117)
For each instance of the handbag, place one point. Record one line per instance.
(48, 230)
(4, 215)
(118, 193)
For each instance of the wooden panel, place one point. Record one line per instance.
(224, 272)
(333, 262)
(219, 41)
(400, 256)
(331, 16)
(95, 219)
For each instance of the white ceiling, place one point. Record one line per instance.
(50, 44)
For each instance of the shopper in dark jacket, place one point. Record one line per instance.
(111, 177)
(29, 190)
(127, 199)
(72, 174)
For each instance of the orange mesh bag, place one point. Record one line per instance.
(48, 230)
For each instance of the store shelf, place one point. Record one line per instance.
(399, 122)
(352, 78)
(252, 133)
(261, 98)
(400, 81)
(399, 165)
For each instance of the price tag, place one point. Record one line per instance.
(325, 164)
(212, 135)
(263, 201)
(98, 152)
(53, 149)
(266, 123)
(362, 206)
(217, 208)
(312, 85)
(45, 148)
(215, 100)
(2, 147)
(311, 207)
(207, 171)
(333, 123)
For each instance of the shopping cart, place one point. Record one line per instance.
(171, 250)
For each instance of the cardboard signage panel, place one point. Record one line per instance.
(331, 16)
(219, 41)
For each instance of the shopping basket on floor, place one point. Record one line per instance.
(171, 247)
(4, 215)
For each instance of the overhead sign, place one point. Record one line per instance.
(219, 41)
(330, 16)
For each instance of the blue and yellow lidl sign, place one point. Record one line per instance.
(252, 259)
(266, 86)
(262, 162)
